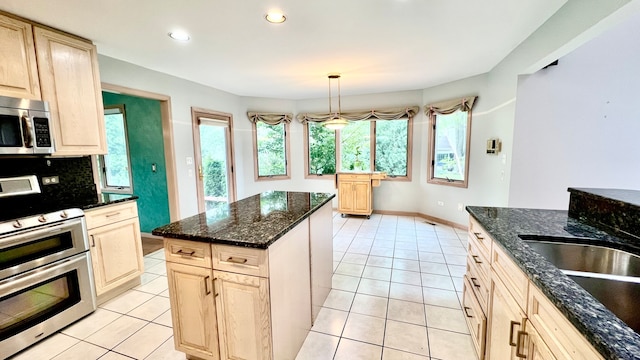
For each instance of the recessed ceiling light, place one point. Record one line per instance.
(179, 35)
(275, 17)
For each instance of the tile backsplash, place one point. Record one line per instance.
(74, 189)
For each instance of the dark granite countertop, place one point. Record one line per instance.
(108, 199)
(608, 334)
(256, 221)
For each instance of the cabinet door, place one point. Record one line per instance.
(242, 304)
(18, 69)
(70, 82)
(345, 196)
(362, 197)
(116, 254)
(505, 320)
(536, 348)
(193, 310)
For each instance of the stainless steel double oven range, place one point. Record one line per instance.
(46, 282)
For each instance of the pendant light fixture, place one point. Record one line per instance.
(335, 122)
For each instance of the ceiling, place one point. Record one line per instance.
(377, 45)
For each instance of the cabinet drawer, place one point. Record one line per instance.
(241, 260)
(188, 252)
(478, 260)
(478, 284)
(562, 338)
(110, 214)
(363, 177)
(476, 319)
(511, 275)
(478, 235)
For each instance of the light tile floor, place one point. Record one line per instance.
(396, 296)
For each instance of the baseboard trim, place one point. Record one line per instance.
(432, 219)
(150, 236)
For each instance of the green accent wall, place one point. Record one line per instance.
(146, 147)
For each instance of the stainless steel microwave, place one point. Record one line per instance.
(25, 127)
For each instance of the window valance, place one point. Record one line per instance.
(269, 118)
(379, 114)
(450, 106)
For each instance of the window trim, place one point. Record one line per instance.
(287, 147)
(116, 109)
(431, 179)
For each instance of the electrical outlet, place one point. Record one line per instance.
(440, 203)
(460, 206)
(189, 160)
(50, 180)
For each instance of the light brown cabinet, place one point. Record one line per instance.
(254, 292)
(355, 193)
(62, 69)
(116, 248)
(194, 319)
(70, 82)
(520, 321)
(18, 69)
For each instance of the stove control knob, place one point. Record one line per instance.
(17, 224)
(64, 215)
(42, 219)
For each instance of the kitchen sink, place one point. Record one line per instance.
(610, 275)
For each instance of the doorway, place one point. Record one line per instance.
(214, 161)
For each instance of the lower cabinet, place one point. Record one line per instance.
(233, 302)
(506, 324)
(116, 248)
(194, 314)
(521, 322)
(242, 303)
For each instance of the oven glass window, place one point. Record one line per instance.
(26, 308)
(22, 253)
(10, 133)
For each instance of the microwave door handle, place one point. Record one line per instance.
(27, 130)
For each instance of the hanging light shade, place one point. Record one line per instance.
(336, 122)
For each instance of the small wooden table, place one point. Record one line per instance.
(355, 193)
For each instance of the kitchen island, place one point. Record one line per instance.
(245, 282)
(598, 327)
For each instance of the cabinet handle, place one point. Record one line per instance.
(231, 259)
(520, 341)
(511, 343)
(93, 241)
(474, 281)
(113, 214)
(478, 236)
(466, 311)
(207, 291)
(214, 287)
(475, 259)
(184, 253)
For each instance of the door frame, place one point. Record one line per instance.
(167, 136)
(197, 153)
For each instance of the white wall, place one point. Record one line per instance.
(577, 124)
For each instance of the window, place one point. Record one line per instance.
(392, 147)
(271, 145)
(116, 165)
(321, 149)
(449, 142)
(378, 140)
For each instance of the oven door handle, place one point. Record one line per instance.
(29, 235)
(24, 280)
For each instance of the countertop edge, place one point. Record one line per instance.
(110, 202)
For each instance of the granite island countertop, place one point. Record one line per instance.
(608, 334)
(256, 221)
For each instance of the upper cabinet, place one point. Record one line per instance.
(18, 69)
(62, 69)
(70, 82)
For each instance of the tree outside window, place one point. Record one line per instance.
(271, 150)
(392, 141)
(355, 146)
(115, 165)
(449, 152)
(321, 149)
